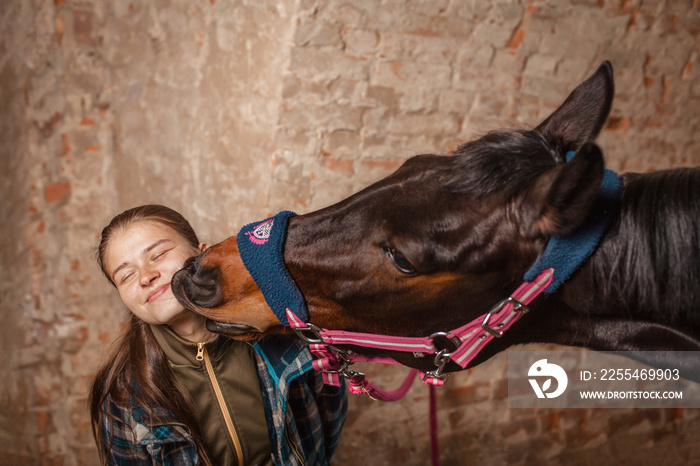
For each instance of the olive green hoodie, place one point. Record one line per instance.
(222, 372)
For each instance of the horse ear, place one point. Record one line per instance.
(559, 200)
(582, 115)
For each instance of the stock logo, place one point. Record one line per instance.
(541, 369)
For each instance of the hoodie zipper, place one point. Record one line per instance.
(203, 355)
(295, 449)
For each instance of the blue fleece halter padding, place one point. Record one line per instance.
(567, 253)
(261, 246)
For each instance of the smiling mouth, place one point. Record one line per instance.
(229, 329)
(157, 293)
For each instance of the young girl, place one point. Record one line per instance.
(173, 393)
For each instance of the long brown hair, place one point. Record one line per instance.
(137, 366)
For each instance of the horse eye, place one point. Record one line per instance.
(402, 264)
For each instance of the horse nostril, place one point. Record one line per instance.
(204, 279)
(199, 285)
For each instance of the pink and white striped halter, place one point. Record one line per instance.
(460, 345)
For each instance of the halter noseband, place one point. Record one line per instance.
(261, 246)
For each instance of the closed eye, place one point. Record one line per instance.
(400, 261)
(126, 277)
(160, 255)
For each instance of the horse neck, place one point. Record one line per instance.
(645, 273)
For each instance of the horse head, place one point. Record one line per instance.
(431, 246)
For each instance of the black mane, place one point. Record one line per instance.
(651, 261)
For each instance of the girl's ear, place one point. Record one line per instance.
(559, 200)
(203, 247)
(582, 115)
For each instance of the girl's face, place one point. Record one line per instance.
(141, 260)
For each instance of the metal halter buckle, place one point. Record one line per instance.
(517, 307)
(315, 331)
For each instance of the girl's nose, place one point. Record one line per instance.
(148, 276)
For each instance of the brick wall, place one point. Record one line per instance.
(230, 110)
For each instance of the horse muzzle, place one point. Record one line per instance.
(196, 287)
(231, 302)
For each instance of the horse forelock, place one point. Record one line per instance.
(502, 162)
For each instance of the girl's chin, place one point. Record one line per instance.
(186, 321)
(173, 315)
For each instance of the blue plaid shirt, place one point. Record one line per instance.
(304, 416)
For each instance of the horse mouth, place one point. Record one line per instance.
(229, 329)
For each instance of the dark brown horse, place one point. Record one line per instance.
(444, 238)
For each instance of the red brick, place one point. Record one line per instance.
(675, 414)
(343, 166)
(617, 124)
(32, 231)
(57, 192)
(396, 68)
(82, 26)
(66, 146)
(668, 83)
(517, 39)
(686, 70)
(42, 420)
